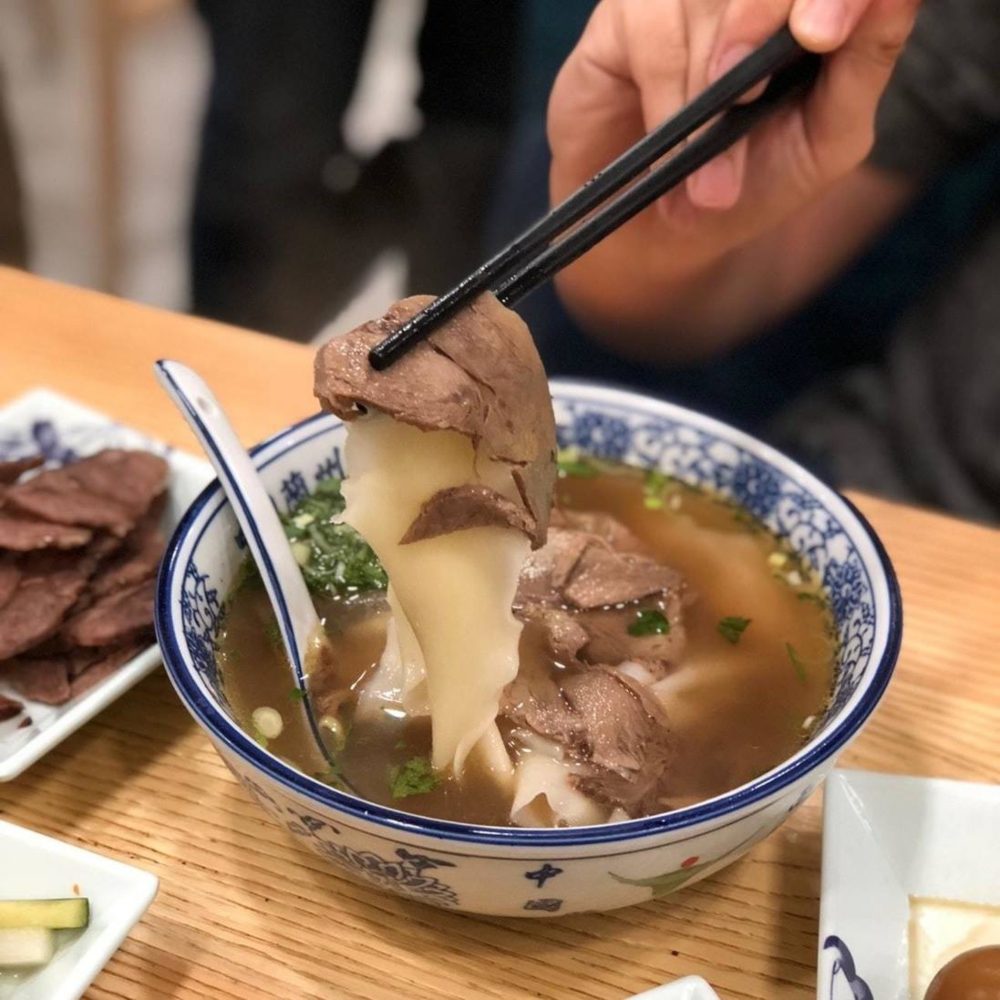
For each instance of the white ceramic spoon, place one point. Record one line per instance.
(298, 621)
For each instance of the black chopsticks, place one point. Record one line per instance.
(523, 264)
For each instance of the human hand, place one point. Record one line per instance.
(639, 61)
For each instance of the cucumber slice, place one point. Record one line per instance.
(57, 914)
(22, 947)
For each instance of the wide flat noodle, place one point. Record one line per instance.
(451, 593)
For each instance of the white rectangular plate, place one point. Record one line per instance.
(37, 867)
(59, 428)
(688, 988)
(885, 839)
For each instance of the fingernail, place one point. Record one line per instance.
(716, 184)
(824, 22)
(728, 58)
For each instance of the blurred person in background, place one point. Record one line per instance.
(285, 221)
(835, 283)
(13, 249)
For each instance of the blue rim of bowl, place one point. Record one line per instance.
(769, 784)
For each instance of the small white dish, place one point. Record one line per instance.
(59, 428)
(37, 867)
(887, 839)
(688, 988)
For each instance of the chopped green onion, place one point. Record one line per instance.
(800, 667)
(731, 629)
(415, 777)
(650, 622)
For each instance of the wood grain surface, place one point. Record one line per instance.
(243, 913)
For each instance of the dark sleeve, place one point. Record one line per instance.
(943, 101)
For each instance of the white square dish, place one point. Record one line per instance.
(887, 839)
(38, 867)
(688, 988)
(59, 428)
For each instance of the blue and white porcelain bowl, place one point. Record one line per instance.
(509, 871)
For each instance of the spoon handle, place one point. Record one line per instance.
(255, 512)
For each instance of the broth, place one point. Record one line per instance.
(736, 708)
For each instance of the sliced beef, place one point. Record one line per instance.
(478, 374)
(10, 576)
(110, 490)
(22, 533)
(43, 679)
(50, 585)
(114, 617)
(603, 578)
(605, 526)
(55, 679)
(106, 664)
(586, 594)
(137, 560)
(612, 728)
(579, 569)
(610, 642)
(11, 471)
(9, 708)
(466, 506)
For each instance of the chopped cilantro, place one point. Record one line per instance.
(273, 633)
(654, 486)
(651, 622)
(800, 667)
(571, 462)
(732, 628)
(260, 737)
(415, 777)
(334, 558)
(808, 595)
(296, 694)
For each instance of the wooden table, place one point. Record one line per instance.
(242, 913)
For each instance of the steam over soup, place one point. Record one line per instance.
(509, 648)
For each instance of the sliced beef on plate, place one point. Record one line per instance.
(22, 533)
(10, 576)
(478, 374)
(105, 665)
(586, 594)
(51, 583)
(45, 679)
(54, 680)
(137, 560)
(9, 708)
(111, 490)
(607, 724)
(12, 470)
(114, 617)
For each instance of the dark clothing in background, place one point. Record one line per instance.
(13, 246)
(923, 424)
(275, 244)
(889, 380)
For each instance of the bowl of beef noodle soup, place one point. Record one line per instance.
(577, 653)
